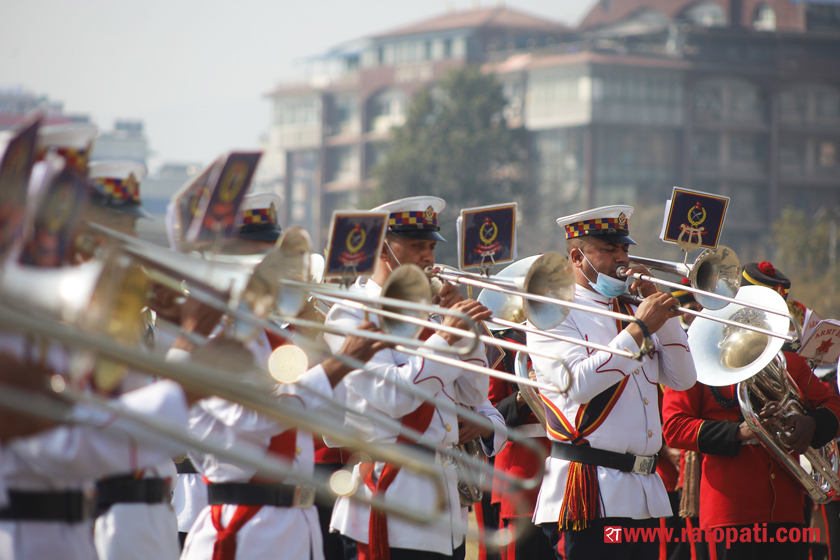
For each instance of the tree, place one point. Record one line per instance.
(806, 253)
(455, 144)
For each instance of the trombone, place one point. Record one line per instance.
(272, 278)
(205, 380)
(715, 278)
(548, 285)
(409, 281)
(157, 432)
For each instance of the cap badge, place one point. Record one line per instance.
(429, 216)
(622, 221)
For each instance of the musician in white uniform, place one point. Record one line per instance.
(411, 239)
(606, 431)
(259, 231)
(50, 475)
(248, 517)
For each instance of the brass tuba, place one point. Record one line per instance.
(725, 355)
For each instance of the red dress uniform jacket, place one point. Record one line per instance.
(744, 484)
(515, 459)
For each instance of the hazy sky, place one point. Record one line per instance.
(195, 71)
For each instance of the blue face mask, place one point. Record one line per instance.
(608, 286)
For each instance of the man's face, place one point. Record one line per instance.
(411, 251)
(605, 257)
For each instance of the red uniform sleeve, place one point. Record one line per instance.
(820, 401)
(681, 417)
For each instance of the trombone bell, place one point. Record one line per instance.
(551, 275)
(408, 283)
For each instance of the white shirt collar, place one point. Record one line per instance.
(591, 295)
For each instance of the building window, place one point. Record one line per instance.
(706, 146)
(706, 14)
(708, 102)
(387, 109)
(447, 48)
(746, 103)
(747, 149)
(765, 18)
(828, 105)
(794, 105)
(289, 113)
(828, 154)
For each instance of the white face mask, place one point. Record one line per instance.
(607, 286)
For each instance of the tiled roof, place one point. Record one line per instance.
(487, 17)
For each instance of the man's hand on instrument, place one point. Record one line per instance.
(470, 307)
(448, 296)
(799, 431)
(643, 289)
(469, 430)
(656, 309)
(196, 318)
(363, 348)
(356, 347)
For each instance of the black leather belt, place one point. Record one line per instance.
(130, 490)
(260, 494)
(625, 462)
(186, 467)
(70, 507)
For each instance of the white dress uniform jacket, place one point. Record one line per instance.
(633, 425)
(71, 458)
(366, 392)
(292, 533)
(140, 531)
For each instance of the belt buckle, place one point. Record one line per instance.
(304, 497)
(644, 465)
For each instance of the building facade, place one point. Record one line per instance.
(736, 97)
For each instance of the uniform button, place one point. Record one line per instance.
(772, 477)
(646, 401)
(298, 450)
(636, 371)
(448, 428)
(650, 433)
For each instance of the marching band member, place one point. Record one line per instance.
(516, 507)
(134, 519)
(259, 230)
(492, 441)
(410, 239)
(249, 517)
(742, 486)
(606, 431)
(50, 474)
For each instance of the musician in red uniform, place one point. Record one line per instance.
(516, 507)
(744, 490)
